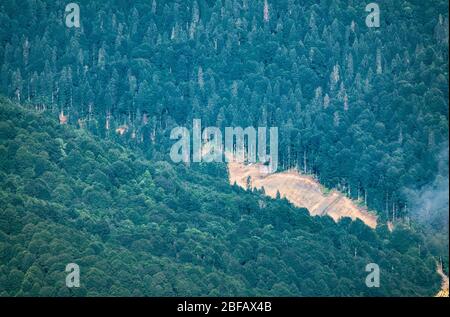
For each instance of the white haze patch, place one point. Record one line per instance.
(429, 205)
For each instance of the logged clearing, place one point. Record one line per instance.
(300, 190)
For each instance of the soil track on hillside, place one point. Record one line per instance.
(444, 287)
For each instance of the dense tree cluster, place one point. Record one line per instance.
(144, 227)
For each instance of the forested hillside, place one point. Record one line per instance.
(365, 109)
(86, 175)
(140, 227)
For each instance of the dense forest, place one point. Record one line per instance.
(85, 168)
(144, 228)
(365, 109)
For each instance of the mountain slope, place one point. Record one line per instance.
(364, 109)
(142, 227)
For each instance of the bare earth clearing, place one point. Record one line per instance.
(300, 190)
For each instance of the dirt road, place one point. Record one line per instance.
(444, 288)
